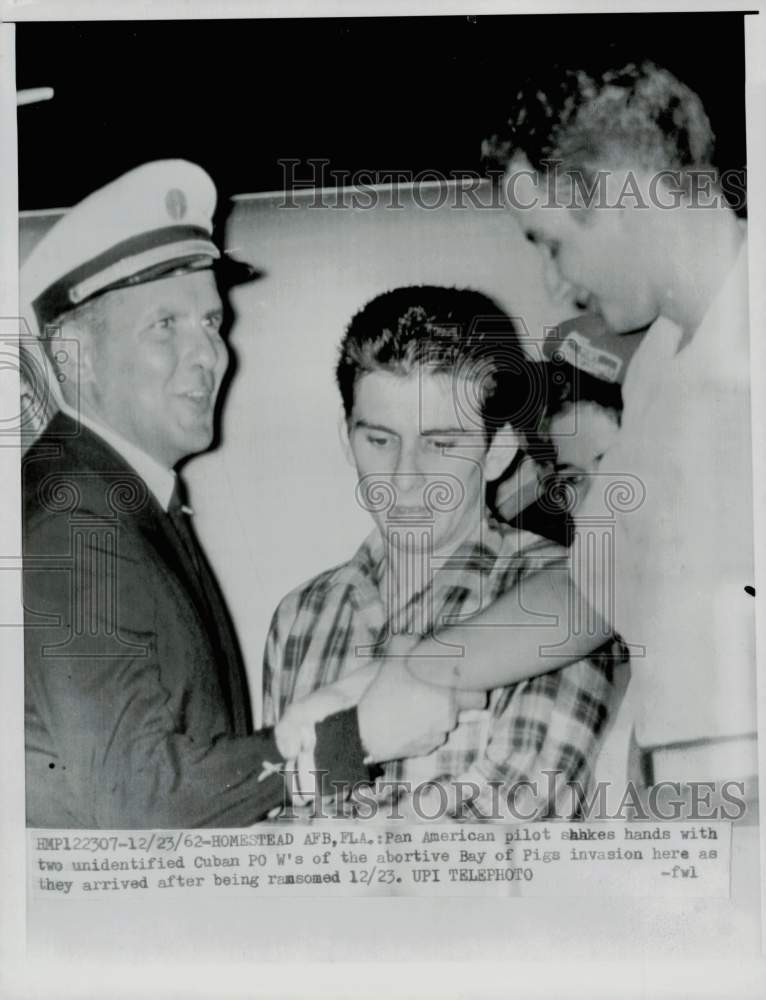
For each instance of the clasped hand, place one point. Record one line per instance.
(399, 715)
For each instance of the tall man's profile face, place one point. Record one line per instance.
(592, 256)
(153, 372)
(422, 460)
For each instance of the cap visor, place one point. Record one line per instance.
(231, 272)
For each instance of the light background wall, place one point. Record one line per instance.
(275, 503)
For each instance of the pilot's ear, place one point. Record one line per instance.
(345, 443)
(75, 364)
(87, 349)
(501, 452)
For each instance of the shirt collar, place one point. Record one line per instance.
(480, 552)
(160, 480)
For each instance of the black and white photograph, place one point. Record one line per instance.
(385, 429)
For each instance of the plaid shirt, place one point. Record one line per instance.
(332, 625)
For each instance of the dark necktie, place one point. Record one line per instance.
(209, 595)
(179, 514)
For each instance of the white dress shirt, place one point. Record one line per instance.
(160, 480)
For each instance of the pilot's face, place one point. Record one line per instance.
(590, 257)
(155, 369)
(421, 463)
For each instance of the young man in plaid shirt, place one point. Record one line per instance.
(435, 387)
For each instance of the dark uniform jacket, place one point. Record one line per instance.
(137, 711)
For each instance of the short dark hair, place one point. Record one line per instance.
(639, 115)
(448, 330)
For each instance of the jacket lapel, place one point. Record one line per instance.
(108, 486)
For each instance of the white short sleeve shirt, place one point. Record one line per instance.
(666, 531)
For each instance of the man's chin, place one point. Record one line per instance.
(194, 442)
(624, 323)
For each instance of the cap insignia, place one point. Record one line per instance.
(175, 203)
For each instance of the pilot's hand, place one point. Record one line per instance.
(295, 729)
(400, 716)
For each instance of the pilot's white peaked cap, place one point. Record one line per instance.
(151, 222)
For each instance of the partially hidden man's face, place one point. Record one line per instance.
(422, 458)
(154, 372)
(591, 258)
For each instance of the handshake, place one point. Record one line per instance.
(398, 714)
